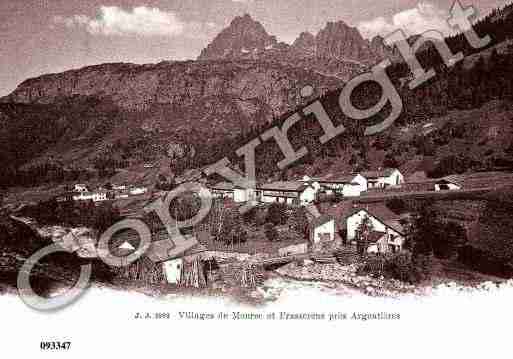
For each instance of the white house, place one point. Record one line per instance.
(83, 196)
(386, 234)
(449, 183)
(322, 230)
(138, 190)
(348, 185)
(300, 247)
(80, 187)
(99, 196)
(96, 196)
(289, 192)
(119, 187)
(229, 190)
(173, 270)
(383, 178)
(173, 259)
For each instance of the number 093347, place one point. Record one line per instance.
(55, 345)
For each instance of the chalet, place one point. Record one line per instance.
(138, 190)
(322, 232)
(119, 187)
(449, 183)
(289, 192)
(348, 185)
(99, 196)
(383, 178)
(232, 191)
(386, 233)
(80, 187)
(95, 196)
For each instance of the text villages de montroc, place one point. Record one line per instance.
(330, 316)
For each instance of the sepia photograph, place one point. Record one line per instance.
(256, 178)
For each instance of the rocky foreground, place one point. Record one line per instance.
(346, 274)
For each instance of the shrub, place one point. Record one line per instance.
(397, 205)
(277, 214)
(400, 266)
(270, 232)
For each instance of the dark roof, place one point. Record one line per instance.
(223, 186)
(338, 211)
(375, 236)
(378, 210)
(396, 225)
(291, 186)
(379, 173)
(455, 179)
(319, 221)
(338, 178)
(164, 250)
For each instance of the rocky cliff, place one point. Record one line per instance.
(111, 101)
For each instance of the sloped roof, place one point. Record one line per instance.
(292, 186)
(375, 236)
(319, 221)
(338, 178)
(338, 211)
(395, 225)
(224, 186)
(457, 180)
(164, 250)
(378, 173)
(378, 210)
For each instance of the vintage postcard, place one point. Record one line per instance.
(256, 178)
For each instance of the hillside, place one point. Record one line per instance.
(79, 114)
(179, 115)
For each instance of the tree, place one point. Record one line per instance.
(422, 231)
(277, 214)
(451, 236)
(299, 221)
(362, 235)
(270, 232)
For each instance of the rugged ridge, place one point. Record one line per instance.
(105, 103)
(337, 50)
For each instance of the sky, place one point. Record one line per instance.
(48, 36)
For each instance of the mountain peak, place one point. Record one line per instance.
(243, 38)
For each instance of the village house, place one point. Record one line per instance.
(80, 187)
(96, 196)
(175, 267)
(289, 192)
(383, 178)
(322, 232)
(119, 187)
(386, 233)
(232, 191)
(298, 247)
(138, 190)
(351, 185)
